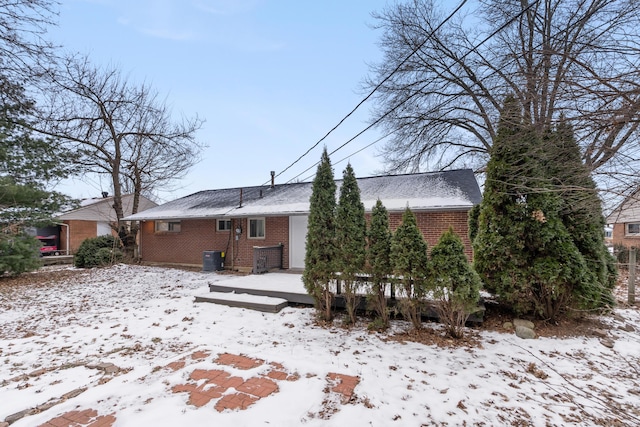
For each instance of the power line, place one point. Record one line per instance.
(344, 158)
(374, 89)
(457, 60)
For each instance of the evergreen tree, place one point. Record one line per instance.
(522, 250)
(409, 261)
(378, 254)
(351, 228)
(499, 252)
(27, 164)
(581, 213)
(454, 284)
(321, 251)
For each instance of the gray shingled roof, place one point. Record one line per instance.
(448, 190)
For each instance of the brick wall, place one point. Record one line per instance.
(433, 224)
(196, 236)
(620, 238)
(79, 231)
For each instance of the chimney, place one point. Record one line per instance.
(240, 198)
(273, 179)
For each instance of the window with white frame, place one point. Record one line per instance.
(167, 226)
(632, 229)
(223, 224)
(256, 228)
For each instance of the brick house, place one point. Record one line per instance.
(241, 221)
(93, 218)
(625, 221)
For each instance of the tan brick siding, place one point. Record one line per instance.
(620, 238)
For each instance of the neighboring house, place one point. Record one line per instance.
(94, 218)
(625, 220)
(239, 221)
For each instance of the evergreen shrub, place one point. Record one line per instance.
(98, 252)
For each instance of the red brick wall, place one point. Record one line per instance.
(79, 231)
(196, 236)
(433, 224)
(620, 238)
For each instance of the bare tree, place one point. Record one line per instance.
(577, 58)
(121, 129)
(23, 25)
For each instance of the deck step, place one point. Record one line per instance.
(242, 300)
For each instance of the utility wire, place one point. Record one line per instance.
(458, 60)
(374, 89)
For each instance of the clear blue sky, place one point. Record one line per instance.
(269, 77)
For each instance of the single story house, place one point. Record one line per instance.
(95, 217)
(243, 221)
(625, 221)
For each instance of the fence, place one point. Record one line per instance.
(627, 261)
(266, 258)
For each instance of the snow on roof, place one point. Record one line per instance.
(448, 190)
(101, 209)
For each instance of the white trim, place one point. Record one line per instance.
(171, 226)
(264, 228)
(223, 221)
(626, 229)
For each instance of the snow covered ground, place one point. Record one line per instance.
(129, 342)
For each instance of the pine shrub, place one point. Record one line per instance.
(379, 265)
(321, 252)
(19, 254)
(454, 285)
(410, 263)
(351, 242)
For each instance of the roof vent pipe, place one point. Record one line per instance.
(105, 194)
(240, 198)
(273, 179)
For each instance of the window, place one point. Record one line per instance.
(168, 226)
(256, 228)
(632, 229)
(223, 224)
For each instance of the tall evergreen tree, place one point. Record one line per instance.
(581, 213)
(351, 228)
(498, 245)
(320, 255)
(27, 165)
(410, 262)
(454, 284)
(522, 250)
(378, 254)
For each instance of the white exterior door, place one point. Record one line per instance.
(297, 240)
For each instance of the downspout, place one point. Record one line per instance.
(140, 233)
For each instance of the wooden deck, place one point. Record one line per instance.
(271, 292)
(291, 297)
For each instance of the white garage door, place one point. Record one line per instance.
(297, 240)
